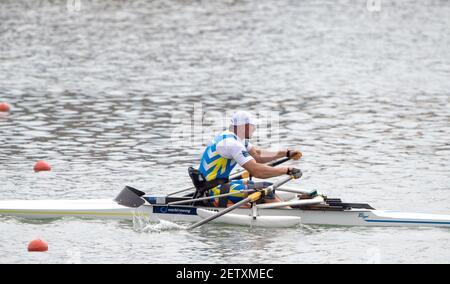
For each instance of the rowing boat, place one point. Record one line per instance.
(319, 210)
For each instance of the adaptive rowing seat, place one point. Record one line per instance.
(202, 186)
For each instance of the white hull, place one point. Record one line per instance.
(108, 209)
(47, 209)
(247, 220)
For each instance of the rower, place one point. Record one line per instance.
(230, 148)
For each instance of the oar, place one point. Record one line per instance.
(251, 198)
(241, 174)
(279, 161)
(209, 197)
(291, 190)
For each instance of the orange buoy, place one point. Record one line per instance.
(4, 107)
(42, 166)
(38, 245)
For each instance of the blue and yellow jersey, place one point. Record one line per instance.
(218, 161)
(213, 165)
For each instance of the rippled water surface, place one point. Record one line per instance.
(98, 93)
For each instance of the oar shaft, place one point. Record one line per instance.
(298, 191)
(209, 197)
(180, 191)
(279, 162)
(221, 213)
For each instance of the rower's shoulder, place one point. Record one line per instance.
(226, 135)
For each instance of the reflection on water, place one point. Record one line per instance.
(365, 95)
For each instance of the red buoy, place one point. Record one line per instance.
(4, 107)
(42, 166)
(38, 245)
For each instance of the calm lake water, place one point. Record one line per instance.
(105, 92)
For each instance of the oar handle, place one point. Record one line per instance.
(279, 162)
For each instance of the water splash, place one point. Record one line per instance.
(142, 223)
(163, 226)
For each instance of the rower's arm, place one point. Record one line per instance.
(265, 156)
(263, 171)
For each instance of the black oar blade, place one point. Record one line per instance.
(130, 197)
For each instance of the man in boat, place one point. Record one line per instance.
(230, 148)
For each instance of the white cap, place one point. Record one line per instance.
(242, 118)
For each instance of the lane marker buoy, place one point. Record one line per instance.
(37, 245)
(4, 107)
(42, 166)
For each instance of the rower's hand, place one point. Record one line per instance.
(295, 155)
(296, 173)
